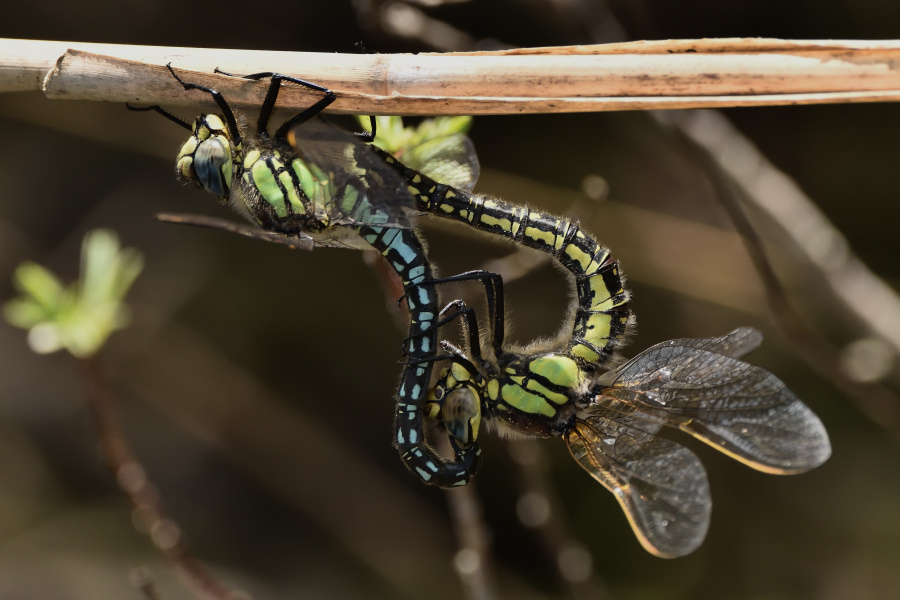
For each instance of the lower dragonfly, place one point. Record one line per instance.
(328, 196)
(611, 420)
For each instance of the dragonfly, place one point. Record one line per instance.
(315, 183)
(611, 419)
(309, 184)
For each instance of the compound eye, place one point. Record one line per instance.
(212, 163)
(461, 414)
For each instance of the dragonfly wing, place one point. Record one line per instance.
(448, 159)
(347, 162)
(738, 408)
(738, 343)
(661, 485)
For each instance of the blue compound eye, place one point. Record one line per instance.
(212, 165)
(461, 414)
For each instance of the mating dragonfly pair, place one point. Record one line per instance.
(310, 184)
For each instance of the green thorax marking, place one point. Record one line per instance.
(541, 385)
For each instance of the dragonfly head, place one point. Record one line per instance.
(456, 400)
(207, 158)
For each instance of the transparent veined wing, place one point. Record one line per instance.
(340, 161)
(448, 159)
(438, 148)
(740, 342)
(660, 484)
(699, 386)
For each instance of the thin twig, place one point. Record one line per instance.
(297, 243)
(132, 479)
(473, 558)
(631, 76)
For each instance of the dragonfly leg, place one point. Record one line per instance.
(368, 136)
(493, 289)
(457, 309)
(268, 105)
(158, 109)
(271, 96)
(230, 121)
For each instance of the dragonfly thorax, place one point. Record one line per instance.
(209, 157)
(536, 396)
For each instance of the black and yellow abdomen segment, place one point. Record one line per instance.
(602, 314)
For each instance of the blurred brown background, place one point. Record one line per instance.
(255, 382)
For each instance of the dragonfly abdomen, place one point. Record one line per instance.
(404, 252)
(602, 315)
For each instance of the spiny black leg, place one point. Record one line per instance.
(272, 95)
(269, 104)
(493, 288)
(463, 311)
(159, 109)
(305, 116)
(470, 327)
(258, 76)
(458, 308)
(454, 356)
(265, 111)
(230, 121)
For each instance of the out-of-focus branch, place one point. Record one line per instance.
(627, 76)
(473, 559)
(404, 21)
(876, 401)
(861, 292)
(539, 508)
(133, 481)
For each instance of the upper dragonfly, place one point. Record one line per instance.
(325, 183)
(327, 189)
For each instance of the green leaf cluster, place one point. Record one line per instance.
(393, 137)
(80, 317)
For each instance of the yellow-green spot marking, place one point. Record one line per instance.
(525, 401)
